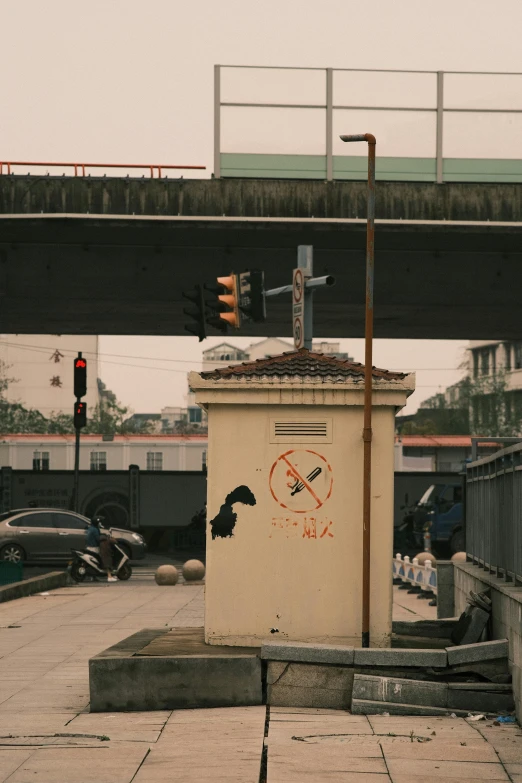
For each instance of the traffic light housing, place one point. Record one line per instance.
(80, 376)
(252, 295)
(197, 313)
(227, 306)
(80, 415)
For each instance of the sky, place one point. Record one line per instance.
(124, 81)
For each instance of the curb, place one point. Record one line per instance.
(36, 584)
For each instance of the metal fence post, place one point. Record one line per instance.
(329, 124)
(217, 121)
(440, 118)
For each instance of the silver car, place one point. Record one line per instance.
(46, 534)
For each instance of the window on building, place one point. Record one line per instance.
(154, 460)
(507, 353)
(41, 460)
(204, 461)
(484, 361)
(475, 364)
(518, 354)
(195, 415)
(98, 460)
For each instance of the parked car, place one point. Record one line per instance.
(37, 534)
(440, 511)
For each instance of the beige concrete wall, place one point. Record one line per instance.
(297, 572)
(506, 615)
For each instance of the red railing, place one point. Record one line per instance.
(79, 168)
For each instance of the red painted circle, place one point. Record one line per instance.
(298, 286)
(294, 481)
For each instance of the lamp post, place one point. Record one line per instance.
(368, 352)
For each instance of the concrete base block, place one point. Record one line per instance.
(374, 656)
(398, 691)
(308, 685)
(122, 680)
(475, 698)
(305, 652)
(362, 707)
(476, 653)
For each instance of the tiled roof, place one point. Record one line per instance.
(300, 363)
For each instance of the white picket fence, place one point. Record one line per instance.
(415, 573)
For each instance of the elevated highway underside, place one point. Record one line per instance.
(108, 274)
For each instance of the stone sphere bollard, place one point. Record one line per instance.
(459, 557)
(423, 556)
(193, 571)
(166, 575)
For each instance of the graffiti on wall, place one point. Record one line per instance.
(224, 522)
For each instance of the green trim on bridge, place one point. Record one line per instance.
(352, 167)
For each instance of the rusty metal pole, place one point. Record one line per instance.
(368, 379)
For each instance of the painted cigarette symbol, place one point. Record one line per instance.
(298, 486)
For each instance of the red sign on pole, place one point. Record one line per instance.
(298, 308)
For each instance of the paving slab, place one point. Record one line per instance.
(445, 770)
(90, 765)
(11, 759)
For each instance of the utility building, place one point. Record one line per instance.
(284, 502)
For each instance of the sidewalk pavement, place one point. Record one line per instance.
(47, 734)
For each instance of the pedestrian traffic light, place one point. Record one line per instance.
(227, 306)
(80, 415)
(80, 376)
(252, 295)
(197, 313)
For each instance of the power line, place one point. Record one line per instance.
(43, 349)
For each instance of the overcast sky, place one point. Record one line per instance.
(131, 82)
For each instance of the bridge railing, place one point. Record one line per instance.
(494, 513)
(82, 169)
(453, 126)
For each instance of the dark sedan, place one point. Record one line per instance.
(47, 534)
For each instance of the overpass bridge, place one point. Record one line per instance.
(112, 255)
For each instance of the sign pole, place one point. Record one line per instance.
(305, 261)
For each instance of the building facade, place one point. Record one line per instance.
(102, 453)
(42, 366)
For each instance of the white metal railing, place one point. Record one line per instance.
(417, 574)
(439, 109)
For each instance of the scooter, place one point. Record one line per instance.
(86, 564)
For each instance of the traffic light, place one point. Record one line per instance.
(252, 295)
(80, 415)
(227, 306)
(197, 313)
(80, 376)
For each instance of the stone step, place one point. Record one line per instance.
(478, 652)
(363, 707)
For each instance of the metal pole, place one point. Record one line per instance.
(217, 121)
(329, 124)
(305, 261)
(368, 381)
(76, 470)
(440, 118)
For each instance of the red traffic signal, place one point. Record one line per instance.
(80, 415)
(80, 376)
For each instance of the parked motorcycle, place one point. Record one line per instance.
(86, 564)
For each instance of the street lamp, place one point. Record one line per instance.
(368, 379)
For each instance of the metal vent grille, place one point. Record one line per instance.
(300, 431)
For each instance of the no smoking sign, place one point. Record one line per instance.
(301, 480)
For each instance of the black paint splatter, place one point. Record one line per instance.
(223, 524)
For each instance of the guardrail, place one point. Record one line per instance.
(434, 168)
(415, 573)
(494, 513)
(80, 168)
